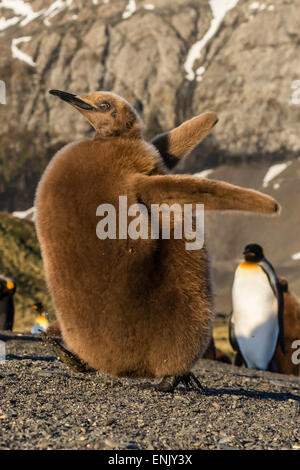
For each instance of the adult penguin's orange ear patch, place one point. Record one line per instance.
(178, 142)
(10, 285)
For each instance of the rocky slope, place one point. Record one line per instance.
(171, 60)
(247, 65)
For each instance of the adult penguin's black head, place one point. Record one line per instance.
(39, 307)
(253, 253)
(7, 287)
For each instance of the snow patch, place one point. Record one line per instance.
(4, 23)
(274, 171)
(254, 6)
(129, 10)
(23, 9)
(199, 72)
(219, 9)
(17, 54)
(276, 186)
(29, 214)
(54, 9)
(19, 7)
(149, 6)
(260, 7)
(203, 173)
(296, 256)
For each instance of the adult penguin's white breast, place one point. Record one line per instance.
(255, 315)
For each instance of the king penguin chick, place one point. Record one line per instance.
(41, 322)
(286, 363)
(128, 307)
(256, 323)
(7, 308)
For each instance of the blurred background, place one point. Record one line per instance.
(171, 60)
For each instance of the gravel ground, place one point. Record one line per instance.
(44, 405)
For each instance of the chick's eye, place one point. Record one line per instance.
(104, 106)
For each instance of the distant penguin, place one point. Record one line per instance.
(7, 308)
(125, 306)
(216, 354)
(256, 324)
(286, 363)
(41, 322)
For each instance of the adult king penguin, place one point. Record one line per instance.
(41, 322)
(7, 308)
(256, 324)
(130, 307)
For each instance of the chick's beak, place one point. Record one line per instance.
(72, 99)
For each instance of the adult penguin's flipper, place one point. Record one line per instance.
(278, 292)
(239, 360)
(281, 339)
(10, 314)
(232, 337)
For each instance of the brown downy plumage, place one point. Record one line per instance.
(139, 308)
(54, 329)
(284, 363)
